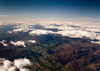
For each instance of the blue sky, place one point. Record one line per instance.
(49, 9)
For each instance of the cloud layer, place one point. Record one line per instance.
(70, 29)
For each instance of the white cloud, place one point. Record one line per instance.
(78, 30)
(13, 68)
(6, 65)
(10, 32)
(18, 30)
(22, 28)
(24, 69)
(77, 34)
(40, 32)
(16, 64)
(3, 42)
(22, 43)
(31, 41)
(96, 42)
(2, 69)
(74, 29)
(20, 63)
(18, 43)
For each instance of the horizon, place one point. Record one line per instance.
(36, 10)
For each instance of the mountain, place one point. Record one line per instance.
(50, 52)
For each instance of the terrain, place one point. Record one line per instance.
(52, 52)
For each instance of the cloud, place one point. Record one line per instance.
(6, 65)
(2, 69)
(77, 34)
(96, 42)
(24, 69)
(22, 43)
(18, 43)
(9, 32)
(31, 41)
(16, 64)
(71, 30)
(22, 28)
(40, 32)
(20, 63)
(13, 68)
(74, 29)
(3, 42)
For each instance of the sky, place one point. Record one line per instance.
(49, 10)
